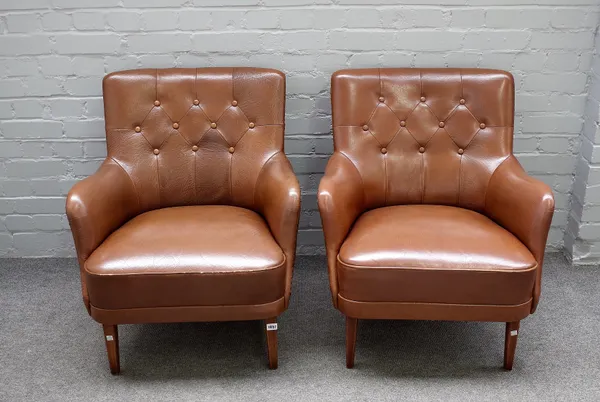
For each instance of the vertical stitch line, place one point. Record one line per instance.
(156, 156)
(459, 179)
(422, 178)
(462, 95)
(230, 178)
(231, 155)
(195, 153)
(422, 155)
(385, 189)
(233, 83)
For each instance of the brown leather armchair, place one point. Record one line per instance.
(193, 214)
(427, 214)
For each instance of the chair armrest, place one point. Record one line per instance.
(524, 206)
(97, 206)
(277, 198)
(341, 200)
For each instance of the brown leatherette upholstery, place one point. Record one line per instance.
(194, 213)
(426, 212)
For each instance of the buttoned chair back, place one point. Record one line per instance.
(431, 136)
(194, 136)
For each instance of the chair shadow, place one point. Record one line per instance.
(426, 349)
(192, 350)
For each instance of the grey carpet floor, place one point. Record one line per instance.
(51, 350)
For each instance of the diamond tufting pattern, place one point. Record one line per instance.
(430, 136)
(194, 136)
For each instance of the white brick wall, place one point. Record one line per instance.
(54, 53)
(582, 236)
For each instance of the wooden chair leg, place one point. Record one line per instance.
(510, 343)
(111, 337)
(351, 324)
(271, 332)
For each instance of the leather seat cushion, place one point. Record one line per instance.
(187, 256)
(434, 254)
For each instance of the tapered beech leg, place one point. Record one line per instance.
(271, 331)
(111, 337)
(351, 324)
(510, 343)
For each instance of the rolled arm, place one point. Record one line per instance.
(524, 206)
(341, 201)
(277, 198)
(96, 207)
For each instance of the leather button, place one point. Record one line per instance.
(196, 102)
(156, 152)
(422, 99)
(213, 125)
(421, 150)
(482, 125)
(157, 103)
(462, 101)
(461, 151)
(402, 123)
(384, 150)
(234, 103)
(251, 125)
(138, 129)
(175, 126)
(365, 127)
(195, 148)
(381, 99)
(231, 150)
(442, 124)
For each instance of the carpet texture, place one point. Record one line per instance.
(51, 350)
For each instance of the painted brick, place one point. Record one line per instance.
(467, 18)
(496, 40)
(35, 168)
(227, 19)
(566, 83)
(87, 44)
(522, 18)
(88, 21)
(262, 19)
(84, 129)
(328, 19)
(161, 20)
(22, 23)
(194, 20)
(30, 129)
(559, 40)
(88, 66)
(124, 21)
(56, 65)
(21, 67)
(61, 108)
(57, 21)
(28, 109)
(297, 19)
(24, 45)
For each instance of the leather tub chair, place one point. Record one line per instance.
(427, 214)
(193, 214)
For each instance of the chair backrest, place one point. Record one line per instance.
(431, 136)
(194, 136)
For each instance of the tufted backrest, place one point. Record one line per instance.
(431, 136)
(194, 136)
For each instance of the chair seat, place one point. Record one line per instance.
(434, 254)
(187, 256)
